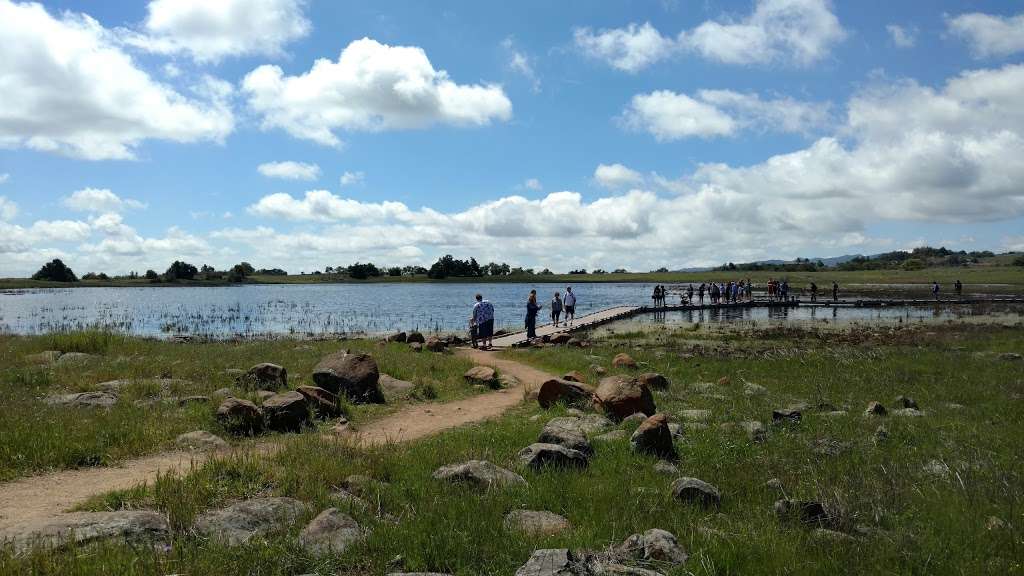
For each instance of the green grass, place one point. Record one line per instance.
(37, 437)
(920, 523)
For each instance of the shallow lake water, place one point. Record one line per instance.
(257, 311)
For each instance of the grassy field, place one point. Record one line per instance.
(38, 437)
(996, 272)
(942, 495)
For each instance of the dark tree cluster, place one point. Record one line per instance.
(55, 271)
(448, 266)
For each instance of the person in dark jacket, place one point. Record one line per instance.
(531, 315)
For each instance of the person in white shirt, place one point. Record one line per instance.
(483, 319)
(569, 305)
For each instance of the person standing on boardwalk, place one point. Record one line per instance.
(656, 295)
(700, 293)
(483, 321)
(531, 315)
(835, 292)
(689, 295)
(958, 287)
(814, 292)
(556, 309)
(569, 303)
(935, 289)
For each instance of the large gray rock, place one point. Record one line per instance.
(571, 393)
(479, 473)
(540, 455)
(242, 521)
(620, 397)
(285, 412)
(267, 376)
(355, 376)
(537, 522)
(83, 400)
(565, 432)
(695, 490)
(653, 545)
(332, 531)
(133, 526)
(323, 403)
(240, 416)
(653, 437)
(554, 562)
(481, 375)
(393, 386)
(201, 440)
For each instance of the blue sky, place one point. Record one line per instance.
(594, 134)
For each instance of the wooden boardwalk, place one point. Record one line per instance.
(620, 312)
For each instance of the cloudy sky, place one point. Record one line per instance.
(303, 134)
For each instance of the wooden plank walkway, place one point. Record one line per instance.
(587, 321)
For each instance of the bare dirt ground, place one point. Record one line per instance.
(39, 500)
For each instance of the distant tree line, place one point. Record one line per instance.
(916, 259)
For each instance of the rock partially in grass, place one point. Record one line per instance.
(751, 389)
(653, 437)
(620, 397)
(677, 430)
(1011, 356)
(435, 344)
(666, 468)
(201, 440)
(397, 337)
(554, 562)
(755, 430)
(540, 455)
(910, 412)
(223, 392)
(536, 522)
(832, 536)
(599, 370)
(44, 357)
(323, 403)
(130, 526)
(186, 400)
(695, 415)
(636, 418)
(802, 511)
(332, 531)
(264, 394)
(267, 376)
(654, 381)
(355, 376)
(829, 447)
(696, 491)
(623, 360)
(240, 416)
(786, 416)
(561, 338)
(994, 523)
(875, 409)
(74, 357)
(394, 386)
(654, 545)
(612, 436)
(570, 393)
(415, 338)
(565, 432)
(936, 468)
(479, 473)
(881, 435)
(83, 400)
(774, 484)
(242, 521)
(285, 412)
(594, 423)
(417, 574)
(360, 484)
(484, 375)
(416, 346)
(507, 381)
(906, 402)
(575, 376)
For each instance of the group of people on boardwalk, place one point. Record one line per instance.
(481, 321)
(734, 292)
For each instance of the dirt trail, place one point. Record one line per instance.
(37, 500)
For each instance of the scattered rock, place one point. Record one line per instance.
(993, 523)
(623, 360)
(479, 473)
(786, 416)
(132, 526)
(881, 434)
(875, 409)
(507, 381)
(536, 522)
(936, 468)
(565, 432)
(332, 531)
(201, 440)
(676, 430)
(554, 562)
(665, 467)
(828, 447)
(834, 414)
(393, 386)
(223, 392)
(416, 347)
(653, 437)
(654, 381)
(73, 357)
(484, 375)
(575, 376)
(571, 393)
(186, 400)
(695, 490)
(415, 338)
(907, 402)
(911, 412)
(636, 418)
(612, 436)
(751, 389)
(695, 415)
(242, 521)
(323, 403)
(620, 397)
(267, 376)
(435, 344)
(354, 375)
(561, 338)
(44, 357)
(724, 381)
(832, 536)
(285, 412)
(264, 394)
(83, 400)
(1011, 356)
(599, 370)
(755, 430)
(774, 484)
(540, 455)
(654, 545)
(803, 511)
(397, 337)
(240, 416)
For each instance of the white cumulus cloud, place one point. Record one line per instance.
(902, 36)
(371, 87)
(289, 170)
(209, 31)
(989, 35)
(68, 88)
(616, 175)
(629, 49)
(98, 200)
(8, 209)
(533, 184)
(351, 178)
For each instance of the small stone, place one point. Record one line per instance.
(536, 522)
(803, 511)
(786, 416)
(875, 409)
(435, 344)
(676, 430)
(223, 392)
(394, 387)
(910, 412)
(286, 412)
(130, 526)
(83, 400)
(242, 521)
(653, 437)
(571, 393)
(774, 484)
(481, 375)
(1011, 356)
(201, 440)
(654, 545)
(654, 381)
(565, 432)
(479, 473)
(540, 455)
(575, 376)
(696, 490)
(832, 536)
(397, 337)
(936, 468)
(612, 436)
(323, 403)
(755, 430)
(695, 415)
(636, 418)
(415, 338)
(623, 360)
(332, 531)
(751, 389)
(74, 357)
(666, 468)
(44, 357)
(554, 562)
(907, 402)
(993, 523)
(240, 416)
(267, 376)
